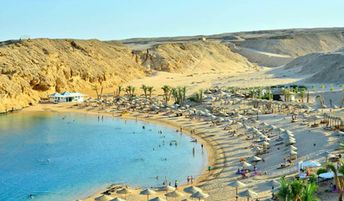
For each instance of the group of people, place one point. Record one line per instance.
(190, 179)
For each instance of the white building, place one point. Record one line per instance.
(66, 97)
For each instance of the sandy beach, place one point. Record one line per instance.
(225, 150)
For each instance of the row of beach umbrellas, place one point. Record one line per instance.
(194, 191)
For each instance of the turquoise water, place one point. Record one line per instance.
(63, 156)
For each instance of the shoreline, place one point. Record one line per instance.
(154, 119)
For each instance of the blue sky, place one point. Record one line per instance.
(119, 19)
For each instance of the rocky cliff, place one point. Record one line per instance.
(191, 56)
(32, 69)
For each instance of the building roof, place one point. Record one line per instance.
(66, 94)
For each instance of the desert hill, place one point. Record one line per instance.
(320, 67)
(192, 56)
(270, 47)
(32, 69)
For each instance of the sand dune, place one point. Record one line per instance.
(324, 67)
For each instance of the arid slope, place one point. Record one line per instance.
(33, 68)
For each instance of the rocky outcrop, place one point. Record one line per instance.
(32, 69)
(190, 56)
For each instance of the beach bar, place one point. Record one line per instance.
(66, 97)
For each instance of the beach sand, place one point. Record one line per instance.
(225, 151)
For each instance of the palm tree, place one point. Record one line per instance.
(199, 96)
(167, 93)
(309, 191)
(297, 190)
(150, 90)
(302, 94)
(286, 93)
(118, 91)
(307, 96)
(144, 89)
(296, 187)
(323, 87)
(99, 92)
(284, 192)
(252, 93)
(259, 93)
(338, 177)
(179, 95)
(130, 90)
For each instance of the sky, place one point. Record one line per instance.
(121, 19)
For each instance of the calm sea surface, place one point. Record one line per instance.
(64, 156)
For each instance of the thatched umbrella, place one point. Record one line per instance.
(118, 199)
(147, 192)
(192, 189)
(256, 159)
(249, 194)
(292, 147)
(123, 191)
(157, 199)
(174, 194)
(168, 188)
(237, 185)
(200, 195)
(274, 183)
(246, 165)
(104, 198)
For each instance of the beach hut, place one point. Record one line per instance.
(66, 97)
(200, 195)
(104, 198)
(248, 194)
(192, 189)
(147, 192)
(237, 185)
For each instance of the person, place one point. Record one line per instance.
(238, 171)
(191, 179)
(188, 179)
(176, 184)
(209, 168)
(202, 146)
(143, 127)
(193, 151)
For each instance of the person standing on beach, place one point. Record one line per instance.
(176, 184)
